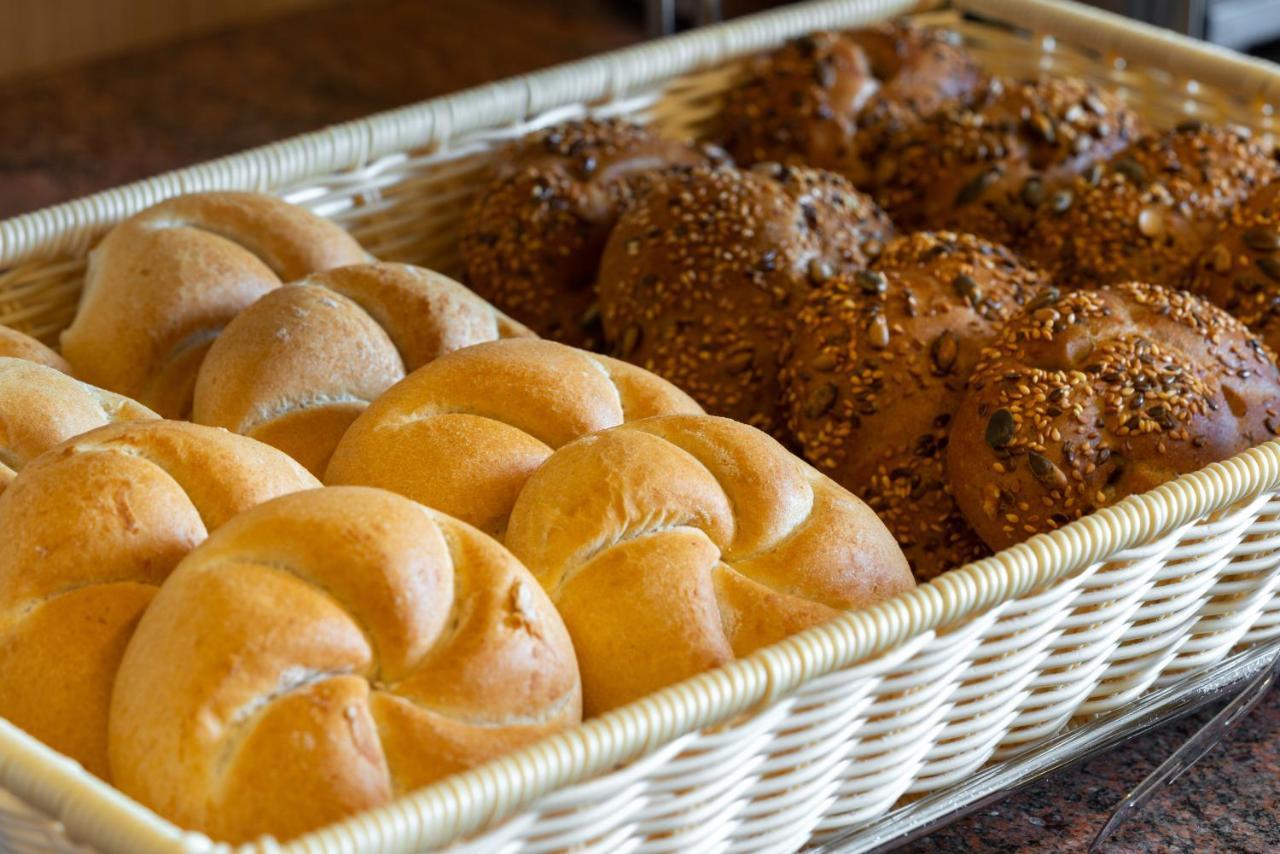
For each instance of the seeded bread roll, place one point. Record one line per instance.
(1240, 269)
(828, 99)
(532, 240)
(699, 279)
(295, 368)
(41, 407)
(15, 345)
(325, 653)
(1149, 213)
(878, 366)
(163, 283)
(1101, 395)
(674, 545)
(463, 433)
(992, 168)
(91, 529)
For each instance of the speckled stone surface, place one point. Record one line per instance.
(83, 129)
(1226, 802)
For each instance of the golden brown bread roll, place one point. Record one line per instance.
(878, 366)
(1002, 161)
(701, 276)
(41, 407)
(532, 239)
(1099, 395)
(1239, 270)
(295, 368)
(15, 345)
(91, 529)
(1151, 210)
(162, 284)
(828, 99)
(463, 433)
(675, 544)
(377, 647)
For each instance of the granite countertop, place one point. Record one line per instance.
(70, 132)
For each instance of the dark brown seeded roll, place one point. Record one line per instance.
(700, 277)
(993, 167)
(826, 99)
(1240, 269)
(1148, 214)
(531, 241)
(878, 366)
(1100, 395)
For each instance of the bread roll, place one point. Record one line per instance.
(1151, 211)
(463, 433)
(15, 345)
(295, 368)
(162, 284)
(675, 544)
(41, 406)
(1239, 270)
(878, 366)
(326, 652)
(1004, 160)
(90, 530)
(701, 277)
(532, 239)
(1099, 395)
(828, 99)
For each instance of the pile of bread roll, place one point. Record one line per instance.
(986, 306)
(287, 531)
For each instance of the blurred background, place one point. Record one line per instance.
(94, 93)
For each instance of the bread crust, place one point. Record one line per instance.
(463, 433)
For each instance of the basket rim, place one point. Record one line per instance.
(465, 803)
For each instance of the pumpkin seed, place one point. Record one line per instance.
(944, 350)
(1049, 475)
(820, 401)
(1001, 428)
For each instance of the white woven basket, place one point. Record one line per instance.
(834, 727)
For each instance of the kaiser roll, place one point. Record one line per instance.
(463, 433)
(40, 407)
(675, 544)
(162, 284)
(88, 531)
(1102, 394)
(295, 368)
(325, 652)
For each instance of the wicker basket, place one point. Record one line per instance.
(834, 727)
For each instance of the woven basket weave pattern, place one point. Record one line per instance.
(833, 727)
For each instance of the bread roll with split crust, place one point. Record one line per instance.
(464, 433)
(379, 646)
(676, 544)
(162, 284)
(91, 529)
(295, 368)
(41, 406)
